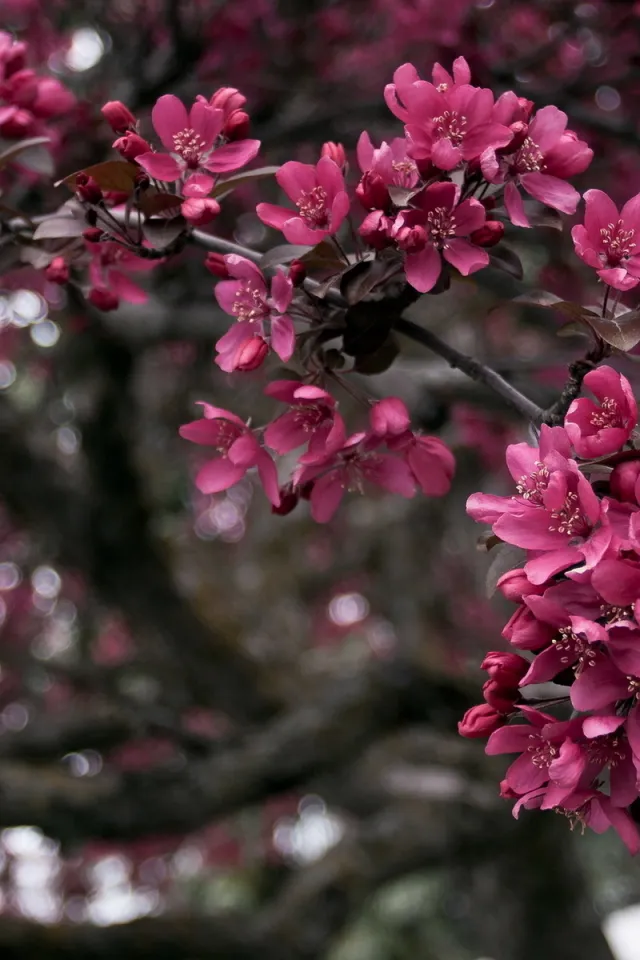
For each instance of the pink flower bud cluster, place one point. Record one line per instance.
(388, 455)
(576, 517)
(27, 100)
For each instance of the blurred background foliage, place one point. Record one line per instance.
(228, 734)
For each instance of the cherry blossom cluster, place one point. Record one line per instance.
(576, 518)
(27, 100)
(388, 454)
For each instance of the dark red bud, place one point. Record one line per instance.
(520, 130)
(335, 152)
(103, 299)
(93, 234)
(131, 145)
(19, 123)
(200, 211)
(88, 189)
(228, 99)
(57, 271)
(411, 239)
(118, 116)
(289, 499)
(216, 265)
(489, 203)
(15, 59)
(480, 721)
(372, 192)
(505, 668)
(297, 272)
(375, 230)
(306, 490)
(237, 126)
(488, 235)
(623, 482)
(499, 697)
(252, 353)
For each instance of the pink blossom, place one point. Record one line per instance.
(358, 462)
(428, 458)
(435, 228)
(547, 154)
(597, 430)
(109, 271)
(313, 419)
(320, 195)
(607, 241)
(390, 161)
(406, 80)
(191, 140)
(259, 312)
(238, 450)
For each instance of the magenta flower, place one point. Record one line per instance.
(430, 461)
(312, 419)
(389, 161)
(596, 430)
(320, 195)
(446, 123)
(547, 154)
(358, 462)
(109, 271)
(437, 228)
(259, 312)
(190, 139)
(607, 241)
(238, 451)
(538, 742)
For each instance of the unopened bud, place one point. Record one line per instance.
(526, 107)
(488, 235)
(372, 192)
(480, 721)
(200, 212)
(289, 499)
(297, 272)
(499, 697)
(236, 127)
(375, 230)
(93, 234)
(17, 123)
(514, 585)
(520, 131)
(335, 152)
(15, 59)
(227, 99)
(88, 189)
(131, 145)
(215, 264)
(103, 299)
(623, 482)
(410, 239)
(251, 354)
(306, 489)
(57, 271)
(508, 669)
(118, 116)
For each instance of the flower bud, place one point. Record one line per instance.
(480, 721)
(514, 585)
(410, 239)
(297, 272)
(103, 299)
(306, 489)
(17, 123)
(526, 107)
(389, 417)
(507, 669)
(15, 59)
(375, 230)
(335, 152)
(499, 697)
(288, 501)
(118, 116)
(488, 235)
(215, 264)
(236, 127)
(372, 192)
(623, 482)
(131, 145)
(57, 271)
(200, 212)
(88, 189)
(227, 99)
(520, 131)
(93, 234)
(251, 354)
